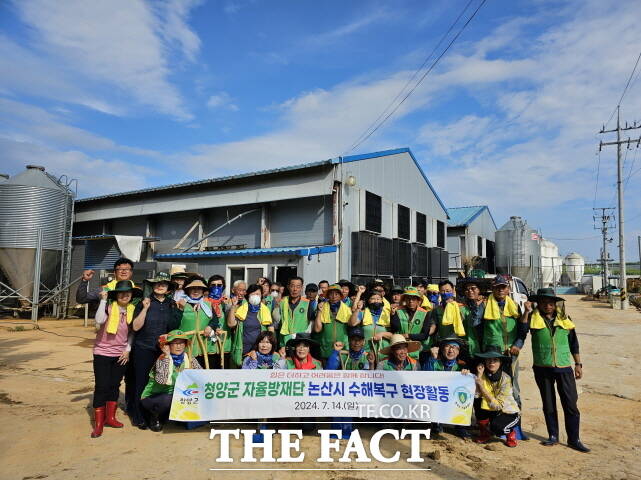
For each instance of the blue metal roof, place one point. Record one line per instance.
(349, 158)
(249, 252)
(463, 216)
(396, 151)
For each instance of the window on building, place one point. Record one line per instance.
(421, 228)
(373, 212)
(440, 234)
(479, 246)
(403, 222)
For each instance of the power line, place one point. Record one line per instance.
(625, 90)
(420, 80)
(414, 75)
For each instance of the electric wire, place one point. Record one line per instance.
(420, 80)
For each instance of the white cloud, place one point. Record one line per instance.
(121, 43)
(222, 100)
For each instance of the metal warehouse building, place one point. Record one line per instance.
(359, 217)
(471, 239)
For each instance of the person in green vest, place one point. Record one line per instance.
(412, 321)
(157, 395)
(331, 321)
(123, 270)
(472, 311)
(497, 412)
(356, 358)
(247, 320)
(398, 354)
(378, 285)
(197, 315)
(303, 353)
(554, 347)
(218, 331)
(372, 316)
(295, 312)
(447, 356)
(447, 314)
(501, 320)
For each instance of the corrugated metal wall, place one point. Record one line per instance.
(304, 222)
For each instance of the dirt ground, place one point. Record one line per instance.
(46, 385)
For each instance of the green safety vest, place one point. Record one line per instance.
(408, 366)
(155, 388)
(501, 332)
(193, 320)
(437, 366)
(331, 333)
(473, 342)
(414, 326)
(370, 330)
(290, 365)
(237, 342)
(551, 350)
(293, 322)
(348, 363)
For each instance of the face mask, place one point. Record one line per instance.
(446, 296)
(275, 294)
(376, 306)
(254, 300)
(215, 291)
(433, 297)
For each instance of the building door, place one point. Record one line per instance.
(284, 273)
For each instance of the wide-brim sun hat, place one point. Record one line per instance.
(545, 293)
(453, 339)
(173, 335)
(398, 339)
(124, 286)
(304, 337)
(196, 283)
(492, 351)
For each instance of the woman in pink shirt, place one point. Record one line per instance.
(111, 351)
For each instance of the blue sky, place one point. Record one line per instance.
(127, 94)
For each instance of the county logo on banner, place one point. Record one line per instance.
(443, 397)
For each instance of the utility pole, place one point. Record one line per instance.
(605, 219)
(618, 143)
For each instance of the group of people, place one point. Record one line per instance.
(183, 321)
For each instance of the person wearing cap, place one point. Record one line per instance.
(554, 346)
(303, 353)
(447, 315)
(498, 412)
(501, 320)
(396, 296)
(472, 311)
(398, 354)
(412, 321)
(332, 321)
(111, 351)
(432, 293)
(348, 290)
(247, 320)
(263, 354)
(356, 358)
(179, 277)
(197, 315)
(295, 312)
(157, 394)
(445, 357)
(154, 316)
(123, 270)
(374, 319)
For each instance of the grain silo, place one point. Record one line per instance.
(518, 252)
(574, 265)
(30, 202)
